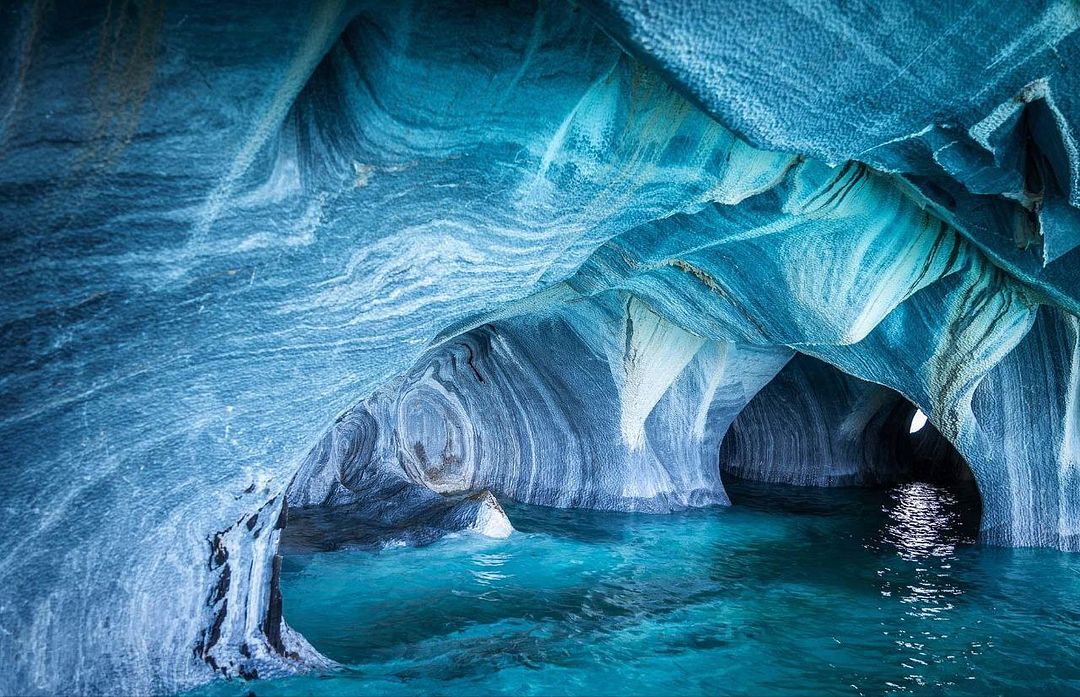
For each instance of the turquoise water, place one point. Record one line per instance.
(790, 591)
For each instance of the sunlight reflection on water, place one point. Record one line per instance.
(922, 521)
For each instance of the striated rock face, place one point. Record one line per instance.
(1026, 416)
(392, 262)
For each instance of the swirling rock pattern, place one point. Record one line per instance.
(598, 404)
(227, 228)
(203, 272)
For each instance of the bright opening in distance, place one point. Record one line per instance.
(917, 421)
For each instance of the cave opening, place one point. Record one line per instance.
(814, 428)
(918, 421)
(493, 415)
(584, 593)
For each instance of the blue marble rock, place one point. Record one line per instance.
(586, 403)
(258, 256)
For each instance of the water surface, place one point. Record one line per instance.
(790, 591)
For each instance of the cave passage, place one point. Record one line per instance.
(864, 558)
(814, 425)
(540, 409)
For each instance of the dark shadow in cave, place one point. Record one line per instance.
(813, 428)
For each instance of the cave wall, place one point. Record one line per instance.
(1027, 414)
(224, 226)
(595, 403)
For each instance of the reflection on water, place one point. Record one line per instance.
(923, 521)
(791, 591)
(924, 528)
(487, 571)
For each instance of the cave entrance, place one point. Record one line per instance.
(918, 421)
(813, 427)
